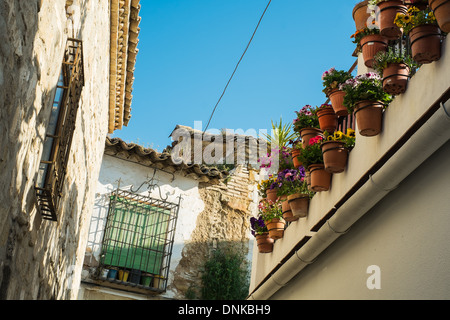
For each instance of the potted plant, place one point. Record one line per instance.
(387, 10)
(307, 124)
(369, 41)
(295, 151)
(361, 14)
(441, 10)
(366, 98)
(396, 67)
(423, 32)
(328, 120)
(299, 196)
(290, 183)
(267, 189)
(260, 232)
(331, 79)
(273, 218)
(335, 150)
(312, 158)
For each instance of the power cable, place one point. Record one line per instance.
(237, 65)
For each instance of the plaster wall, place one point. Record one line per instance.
(405, 236)
(131, 175)
(398, 117)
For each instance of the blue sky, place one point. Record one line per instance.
(189, 48)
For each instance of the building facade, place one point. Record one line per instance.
(381, 230)
(63, 87)
(155, 223)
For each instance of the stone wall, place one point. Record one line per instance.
(224, 221)
(40, 259)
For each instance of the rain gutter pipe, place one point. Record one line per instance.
(408, 153)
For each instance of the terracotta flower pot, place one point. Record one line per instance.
(286, 209)
(309, 133)
(335, 156)
(360, 15)
(395, 78)
(276, 228)
(388, 12)
(337, 101)
(271, 195)
(327, 119)
(264, 243)
(299, 204)
(370, 46)
(425, 43)
(320, 179)
(295, 153)
(369, 116)
(441, 9)
(421, 5)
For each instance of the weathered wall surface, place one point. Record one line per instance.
(225, 220)
(40, 259)
(132, 175)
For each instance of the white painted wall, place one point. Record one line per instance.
(406, 235)
(133, 175)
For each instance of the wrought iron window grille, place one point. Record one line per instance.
(58, 139)
(138, 241)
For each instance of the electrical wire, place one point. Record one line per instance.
(237, 65)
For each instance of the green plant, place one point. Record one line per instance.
(332, 78)
(281, 134)
(367, 86)
(383, 58)
(306, 117)
(270, 210)
(359, 34)
(312, 153)
(225, 276)
(414, 17)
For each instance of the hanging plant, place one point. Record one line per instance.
(423, 32)
(396, 67)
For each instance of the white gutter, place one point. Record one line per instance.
(411, 154)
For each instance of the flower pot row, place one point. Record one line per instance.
(422, 24)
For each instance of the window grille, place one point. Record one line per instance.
(60, 130)
(138, 240)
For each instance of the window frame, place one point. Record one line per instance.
(155, 269)
(60, 130)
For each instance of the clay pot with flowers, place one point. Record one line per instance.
(441, 10)
(261, 233)
(307, 124)
(267, 189)
(424, 34)
(294, 194)
(331, 80)
(295, 152)
(387, 11)
(335, 150)
(369, 42)
(366, 98)
(312, 158)
(328, 120)
(272, 215)
(395, 66)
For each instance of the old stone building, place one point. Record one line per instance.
(63, 87)
(209, 208)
